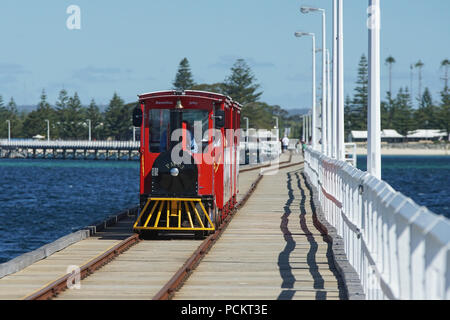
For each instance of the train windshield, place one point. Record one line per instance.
(163, 121)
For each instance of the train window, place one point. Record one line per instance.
(159, 125)
(197, 122)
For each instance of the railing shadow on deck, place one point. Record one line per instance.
(330, 259)
(284, 264)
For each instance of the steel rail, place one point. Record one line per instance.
(188, 267)
(61, 284)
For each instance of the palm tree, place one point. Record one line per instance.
(411, 79)
(445, 64)
(390, 61)
(419, 65)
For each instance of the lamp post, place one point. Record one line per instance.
(89, 121)
(303, 126)
(307, 133)
(373, 121)
(334, 85)
(309, 126)
(246, 153)
(313, 131)
(9, 129)
(340, 81)
(246, 130)
(329, 110)
(48, 130)
(276, 127)
(324, 83)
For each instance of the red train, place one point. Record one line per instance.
(189, 161)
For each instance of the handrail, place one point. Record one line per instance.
(399, 249)
(81, 144)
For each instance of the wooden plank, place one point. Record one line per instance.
(271, 250)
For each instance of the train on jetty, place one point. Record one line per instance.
(189, 166)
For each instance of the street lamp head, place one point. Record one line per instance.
(310, 9)
(304, 9)
(301, 34)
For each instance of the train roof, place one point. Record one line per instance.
(197, 93)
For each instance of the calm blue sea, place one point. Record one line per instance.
(43, 200)
(425, 179)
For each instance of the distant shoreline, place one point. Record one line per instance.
(406, 152)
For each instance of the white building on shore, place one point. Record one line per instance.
(387, 135)
(426, 135)
(392, 136)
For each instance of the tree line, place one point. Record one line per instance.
(241, 85)
(398, 111)
(68, 119)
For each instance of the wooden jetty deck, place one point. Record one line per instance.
(271, 250)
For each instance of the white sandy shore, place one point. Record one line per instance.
(407, 152)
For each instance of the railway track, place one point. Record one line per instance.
(135, 261)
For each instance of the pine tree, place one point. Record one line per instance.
(387, 109)
(240, 84)
(360, 100)
(13, 115)
(426, 115)
(63, 99)
(3, 118)
(348, 116)
(183, 78)
(74, 127)
(93, 114)
(12, 107)
(443, 112)
(35, 121)
(402, 114)
(62, 114)
(118, 119)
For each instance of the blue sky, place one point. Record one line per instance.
(135, 46)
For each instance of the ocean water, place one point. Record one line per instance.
(43, 200)
(424, 179)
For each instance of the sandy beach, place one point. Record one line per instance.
(407, 151)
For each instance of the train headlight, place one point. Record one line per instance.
(174, 172)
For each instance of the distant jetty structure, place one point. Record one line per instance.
(70, 149)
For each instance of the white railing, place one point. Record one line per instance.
(69, 144)
(350, 157)
(398, 249)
